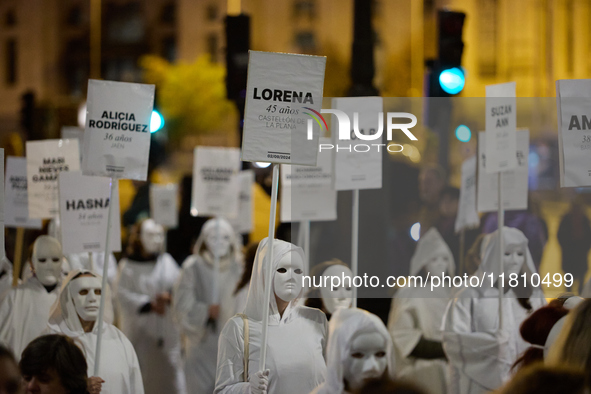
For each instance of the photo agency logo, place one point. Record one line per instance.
(348, 133)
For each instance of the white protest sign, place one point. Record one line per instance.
(16, 202)
(467, 216)
(307, 192)
(117, 133)
(283, 92)
(163, 204)
(45, 160)
(73, 132)
(243, 223)
(514, 181)
(501, 124)
(573, 98)
(216, 186)
(84, 206)
(356, 168)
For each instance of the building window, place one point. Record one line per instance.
(306, 41)
(304, 9)
(211, 12)
(212, 47)
(10, 58)
(487, 38)
(10, 18)
(74, 16)
(168, 15)
(169, 48)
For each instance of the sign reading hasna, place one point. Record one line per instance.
(283, 92)
(117, 133)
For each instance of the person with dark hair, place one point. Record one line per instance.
(241, 291)
(539, 379)
(388, 386)
(53, 364)
(10, 378)
(535, 330)
(574, 237)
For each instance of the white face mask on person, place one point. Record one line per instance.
(86, 294)
(152, 236)
(218, 244)
(366, 359)
(287, 281)
(340, 297)
(439, 263)
(513, 259)
(47, 260)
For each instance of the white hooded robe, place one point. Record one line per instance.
(296, 340)
(481, 356)
(344, 325)
(155, 338)
(192, 297)
(24, 314)
(418, 312)
(119, 366)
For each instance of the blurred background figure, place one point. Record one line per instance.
(574, 236)
(10, 377)
(432, 180)
(241, 291)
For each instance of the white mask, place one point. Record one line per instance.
(341, 297)
(439, 263)
(86, 293)
(218, 245)
(514, 258)
(366, 360)
(152, 236)
(47, 260)
(287, 281)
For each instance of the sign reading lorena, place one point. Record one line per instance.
(84, 206)
(283, 92)
(501, 124)
(45, 160)
(216, 186)
(117, 133)
(16, 202)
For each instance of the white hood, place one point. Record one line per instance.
(224, 228)
(63, 316)
(344, 325)
(256, 290)
(428, 245)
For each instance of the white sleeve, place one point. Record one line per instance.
(190, 313)
(128, 298)
(481, 356)
(403, 326)
(6, 331)
(135, 375)
(230, 366)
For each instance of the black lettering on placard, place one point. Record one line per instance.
(73, 205)
(287, 96)
(50, 167)
(118, 121)
(583, 124)
(503, 122)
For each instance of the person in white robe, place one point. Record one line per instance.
(94, 261)
(329, 298)
(143, 294)
(416, 316)
(24, 312)
(296, 336)
(359, 349)
(199, 313)
(5, 277)
(480, 353)
(75, 313)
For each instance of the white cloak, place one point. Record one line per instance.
(155, 338)
(24, 314)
